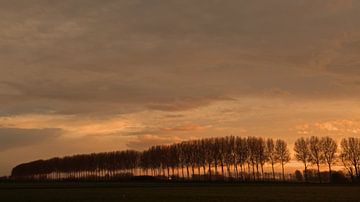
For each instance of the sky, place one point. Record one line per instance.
(82, 76)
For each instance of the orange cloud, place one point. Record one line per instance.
(344, 127)
(145, 141)
(71, 124)
(186, 127)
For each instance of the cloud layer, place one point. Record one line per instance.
(11, 138)
(128, 74)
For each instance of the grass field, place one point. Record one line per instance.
(182, 192)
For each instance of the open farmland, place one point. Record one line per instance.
(96, 192)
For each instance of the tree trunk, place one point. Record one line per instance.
(209, 171)
(187, 172)
(253, 167)
(283, 170)
(222, 168)
(273, 170)
(305, 174)
(228, 170)
(330, 176)
(216, 165)
(318, 168)
(241, 172)
(356, 169)
(236, 170)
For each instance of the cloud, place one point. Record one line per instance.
(346, 62)
(339, 5)
(140, 71)
(121, 57)
(165, 130)
(186, 127)
(14, 137)
(186, 103)
(337, 128)
(145, 141)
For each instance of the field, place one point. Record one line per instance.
(181, 192)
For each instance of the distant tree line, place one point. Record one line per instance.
(221, 158)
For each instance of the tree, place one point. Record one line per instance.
(350, 155)
(222, 152)
(316, 153)
(252, 148)
(271, 154)
(216, 151)
(329, 148)
(302, 153)
(230, 153)
(209, 155)
(249, 154)
(261, 154)
(241, 153)
(282, 154)
(202, 154)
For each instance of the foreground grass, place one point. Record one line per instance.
(96, 192)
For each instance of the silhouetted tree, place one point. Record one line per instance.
(261, 154)
(271, 154)
(302, 153)
(316, 153)
(350, 155)
(329, 148)
(282, 154)
(242, 154)
(252, 158)
(250, 154)
(229, 151)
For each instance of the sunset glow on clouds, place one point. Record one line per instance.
(90, 76)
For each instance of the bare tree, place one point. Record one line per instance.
(350, 154)
(202, 154)
(249, 153)
(209, 155)
(252, 148)
(302, 153)
(271, 154)
(329, 148)
(316, 153)
(216, 148)
(242, 154)
(222, 153)
(261, 154)
(282, 154)
(229, 153)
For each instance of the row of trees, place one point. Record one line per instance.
(212, 158)
(79, 166)
(232, 156)
(318, 151)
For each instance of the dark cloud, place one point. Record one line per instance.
(238, 65)
(123, 56)
(345, 60)
(15, 137)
